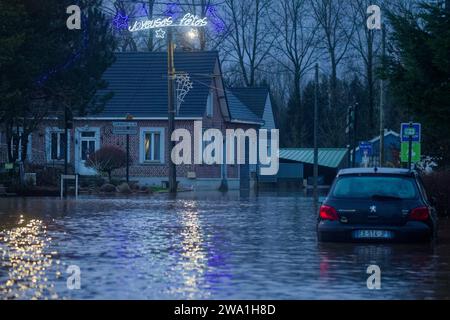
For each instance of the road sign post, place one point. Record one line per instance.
(126, 129)
(410, 133)
(366, 149)
(411, 146)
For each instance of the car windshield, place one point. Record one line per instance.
(375, 187)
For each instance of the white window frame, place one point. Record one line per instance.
(29, 146)
(162, 144)
(48, 143)
(210, 105)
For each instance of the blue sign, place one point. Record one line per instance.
(414, 131)
(366, 148)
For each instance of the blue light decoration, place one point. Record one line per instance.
(120, 21)
(71, 60)
(143, 12)
(173, 10)
(216, 21)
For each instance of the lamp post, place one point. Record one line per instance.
(316, 131)
(171, 109)
(355, 132)
(172, 97)
(129, 117)
(188, 20)
(382, 98)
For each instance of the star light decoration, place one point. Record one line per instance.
(217, 22)
(160, 33)
(120, 21)
(184, 85)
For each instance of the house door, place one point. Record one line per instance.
(88, 143)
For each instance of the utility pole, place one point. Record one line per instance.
(66, 132)
(171, 110)
(67, 126)
(349, 135)
(129, 117)
(355, 117)
(316, 130)
(382, 98)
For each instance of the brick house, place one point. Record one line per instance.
(139, 84)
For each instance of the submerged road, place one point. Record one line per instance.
(200, 246)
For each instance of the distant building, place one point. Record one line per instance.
(139, 84)
(391, 151)
(297, 165)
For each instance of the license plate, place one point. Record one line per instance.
(372, 234)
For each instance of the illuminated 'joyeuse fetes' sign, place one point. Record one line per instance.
(188, 20)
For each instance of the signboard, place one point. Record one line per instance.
(366, 148)
(125, 124)
(411, 132)
(416, 152)
(125, 128)
(9, 166)
(415, 131)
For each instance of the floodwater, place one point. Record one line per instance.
(200, 246)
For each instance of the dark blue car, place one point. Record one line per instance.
(377, 204)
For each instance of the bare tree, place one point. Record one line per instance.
(366, 43)
(295, 49)
(337, 30)
(250, 40)
(296, 38)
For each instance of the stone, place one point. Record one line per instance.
(124, 188)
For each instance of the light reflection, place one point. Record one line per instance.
(193, 262)
(23, 251)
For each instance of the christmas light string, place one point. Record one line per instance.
(69, 62)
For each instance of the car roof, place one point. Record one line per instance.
(393, 171)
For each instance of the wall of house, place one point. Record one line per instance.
(191, 176)
(206, 176)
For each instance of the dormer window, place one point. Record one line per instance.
(209, 105)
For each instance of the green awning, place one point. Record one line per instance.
(328, 157)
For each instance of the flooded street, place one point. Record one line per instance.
(201, 246)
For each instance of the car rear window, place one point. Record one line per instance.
(362, 187)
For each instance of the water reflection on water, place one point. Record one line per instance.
(26, 257)
(201, 246)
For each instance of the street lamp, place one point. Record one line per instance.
(192, 34)
(160, 25)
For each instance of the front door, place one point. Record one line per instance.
(88, 143)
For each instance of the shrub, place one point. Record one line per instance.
(438, 186)
(46, 175)
(108, 188)
(107, 159)
(134, 185)
(115, 182)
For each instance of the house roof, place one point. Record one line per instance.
(139, 83)
(253, 97)
(239, 111)
(328, 157)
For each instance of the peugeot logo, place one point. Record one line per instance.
(373, 209)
